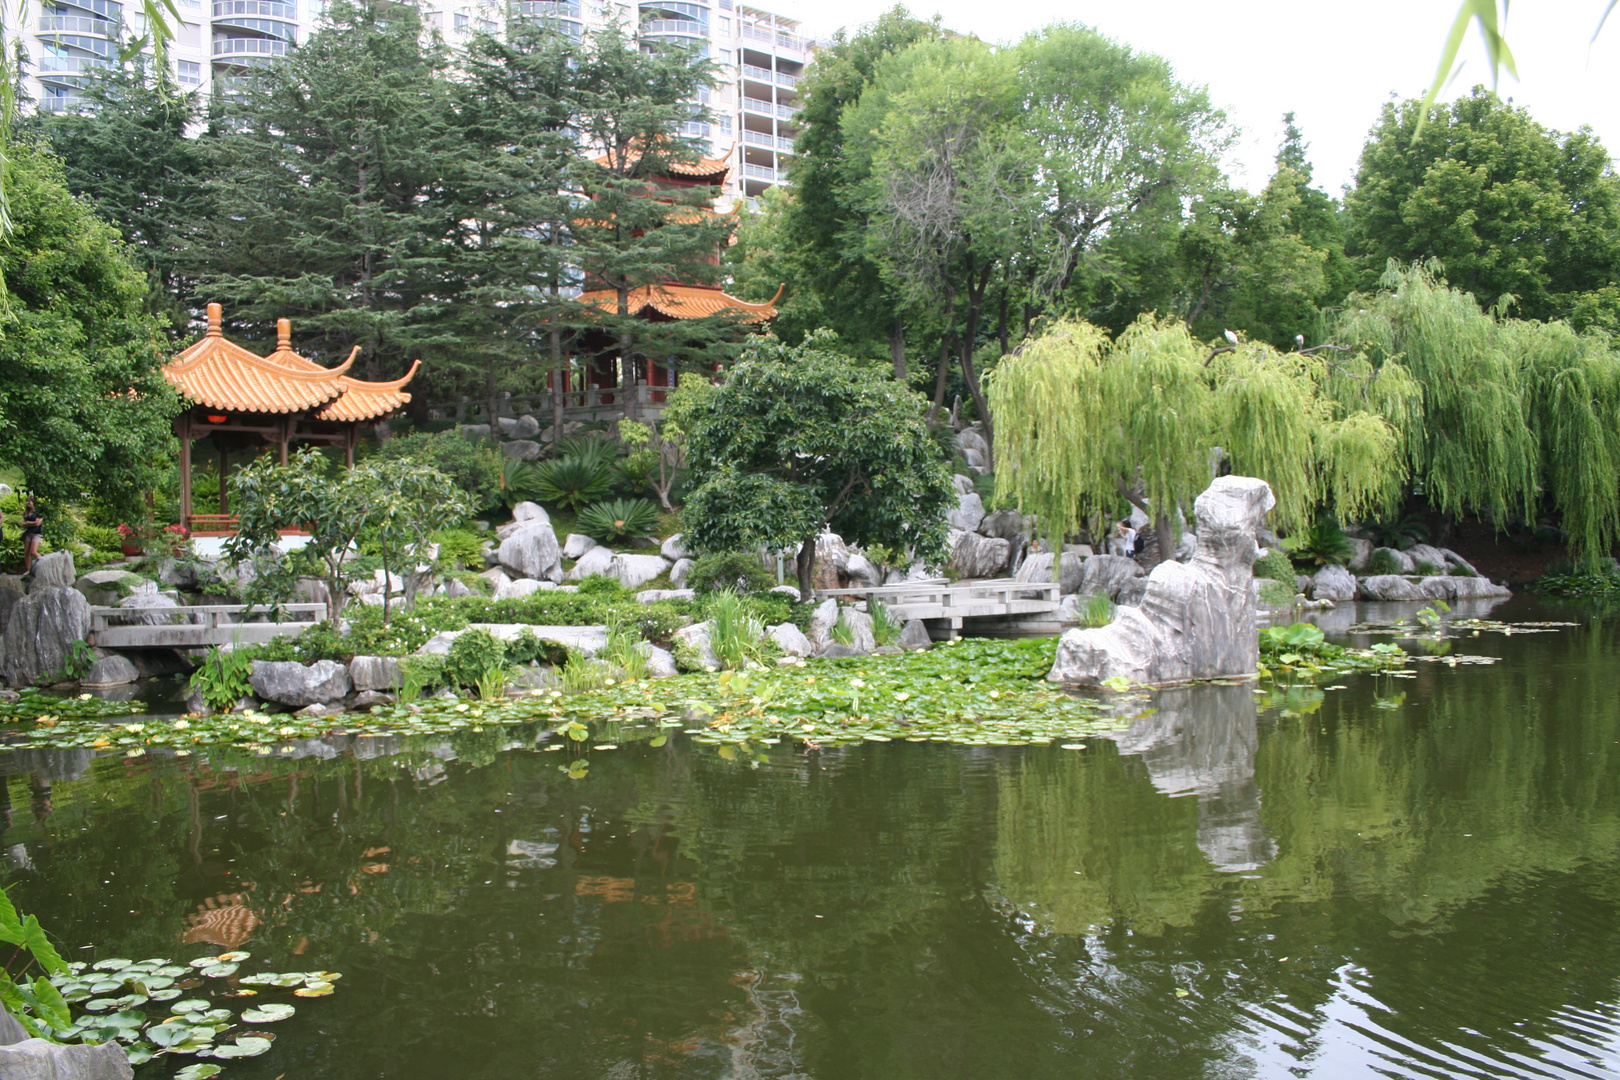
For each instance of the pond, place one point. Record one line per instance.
(1414, 877)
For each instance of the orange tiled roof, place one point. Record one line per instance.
(222, 375)
(686, 302)
(703, 168)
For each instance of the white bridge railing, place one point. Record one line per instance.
(198, 626)
(962, 600)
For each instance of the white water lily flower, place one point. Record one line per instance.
(857, 683)
(462, 707)
(181, 725)
(134, 729)
(86, 697)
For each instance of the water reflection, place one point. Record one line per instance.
(1340, 890)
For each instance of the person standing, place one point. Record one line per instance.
(33, 529)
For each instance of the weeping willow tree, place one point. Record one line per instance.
(1088, 424)
(1516, 416)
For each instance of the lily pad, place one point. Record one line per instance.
(218, 971)
(101, 1004)
(315, 989)
(197, 1072)
(113, 964)
(268, 1013)
(139, 1053)
(245, 1046)
(233, 957)
(166, 995)
(190, 1005)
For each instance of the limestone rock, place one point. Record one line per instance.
(522, 449)
(673, 549)
(822, 621)
(1360, 549)
(635, 570)
(53, 571)
(1037, 568)
(975, 556)
(455, 589)
(968, 514)
(976, 460)
(861, 638)
(375, 673)
(1454, 559)
(1197, 619)
(308, 590)
(36, 1059)
(525, 512)
(290, 683)
(517, 590)
(317, 709)
(834, 651)
(697, 637)
(1105, 575)
(678, 572)
(1476, 588)
(104, 588)
(790, 639)
(652, 596)
(597, 562)
(862, 572)
(1389, 587)
(660, 662)
(111, 670)
(1333, 583)
(40, 634)
(474, 431)
(524, 427)
(589, 640)
(963, 484)
(496, 577)
(1402, 559)
(8, 600)
(787, 590)
(970, 438)
(365, 699)
(1423, 553)
(1007, 524)
(915, 635)
(576, 545)
(832, 562)
(532, 552)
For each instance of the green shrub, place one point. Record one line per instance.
(842, 633)
(1276, 593)
(1426, 568)
(654, 622)
(101, 538)
(418, 675)
(1381, 561)
(223, 679)
(459, 549)
(475, 466)
(472, 654)
(607, 588)
(527, 648)
(736, 571)
(1462, 571)
(571, 482)
(618, 519)
(1275, 566)
(1323, 544)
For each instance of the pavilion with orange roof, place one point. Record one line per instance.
(238, 399)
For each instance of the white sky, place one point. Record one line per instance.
(1334, 64)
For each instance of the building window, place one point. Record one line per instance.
(725, 26)
(725, 125)
(461, 22)
(486, 26)
(188, 73)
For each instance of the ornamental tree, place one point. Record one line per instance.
(801, 440)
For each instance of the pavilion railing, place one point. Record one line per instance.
(591, 403)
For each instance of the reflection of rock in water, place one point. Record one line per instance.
(1202, 741)
(47, 764)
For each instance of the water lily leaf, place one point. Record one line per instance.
(166, 995)
(246, 1046)
(190, 1005)
(268, 1013)
(212, 1016)
(170, 971)
(114, 964)
(105, 986)
(129, 1018)
(139, 1053)
(218, 971)
(203, 961)
(156, 982)
(261, 979)
(196, 1072)
(315, 989)
(233, 957)
(100, 1004)
(173, 1036)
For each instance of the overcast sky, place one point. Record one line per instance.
(1334, 64)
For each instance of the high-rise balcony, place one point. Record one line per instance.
(549, 9)
(78, 24)
(111, 10)
(69, 70)
(769, 108)
(767, 141)
(684, 27)
(248, 49)
(269, 27)
(763, 172)
(63, 104)
(775, 38)
(268, 9)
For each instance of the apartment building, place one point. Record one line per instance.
(761, 55)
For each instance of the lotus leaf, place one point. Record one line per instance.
(268, 1013)
(197, 1072)
(245, 1046)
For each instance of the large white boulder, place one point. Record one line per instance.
(597, 562)
(576, 545)
(678, 572)
(791, 640)
(525, 512)
(375, 673)
(532, 552)
(1402, 559)
(975, 556)
(1071, 571)
(660, 662)
(1333, 583)
(862, 572)
(1389, 587)
(859, 623)
(1108, 575)
(968, 514)
(288, 682)
(635, 570)
(522, 587)
(53, 571)
(40, 633)
(822, 621)
(1423, 553)
(1197, 619)
(698, 638)
(674, 549)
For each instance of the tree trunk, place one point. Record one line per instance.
(980, 405)
(939, 379)
(807, 570)
(627, 361)
(491, 403)
(1166, 538)
(558, 381)
(897, 349)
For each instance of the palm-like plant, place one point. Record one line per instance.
(618, 519)
(571, 482)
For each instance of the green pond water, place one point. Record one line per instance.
(1413, 877)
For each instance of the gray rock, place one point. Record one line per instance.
(635, 570)
(454, 589)
(308, 590)
(524, 427)
(1107, 575)
(822, 620)
(1007, 524)
(862, 572)
(532, 552)
(1360, 549)
(525, 512)
(36, 1059)
(1333, 583)
(1402, 559)
(790, 639)
(317, 709)
(1476, 588)
(112, 670)
(522, 449)
(1197, 620)
(673, 549)
(365, 699)
(1071, 571)
(1419, 553)
(785, 590)
(287, 682)
(1389, 587)
(496, 577)
(976, 460)
(53, 571)
(861, 638)
(8, 600)
(975, 556)
(888, 650)
(832, 562)
(834, 651)
(597, 562)
(678, 572)
(589, 640)
(660, 662)
(474, 431)
(375, 673)
(652, 596)
(1452, 559)
(40, 634)
(970, 438)
(1437, 587)
(698, 638)
(963, 484)
(517, 590)
(968, 514)
(915, 636)
(104, 588)
(576, 545)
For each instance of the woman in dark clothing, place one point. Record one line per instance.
(33, 529)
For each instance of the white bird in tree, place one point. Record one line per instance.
(1231, 337)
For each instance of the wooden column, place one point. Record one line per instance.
(224, 466)
(286, 437)
(348, 445)
(182, 429)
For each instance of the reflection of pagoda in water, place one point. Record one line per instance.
(223, 920)
(1201, 740)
